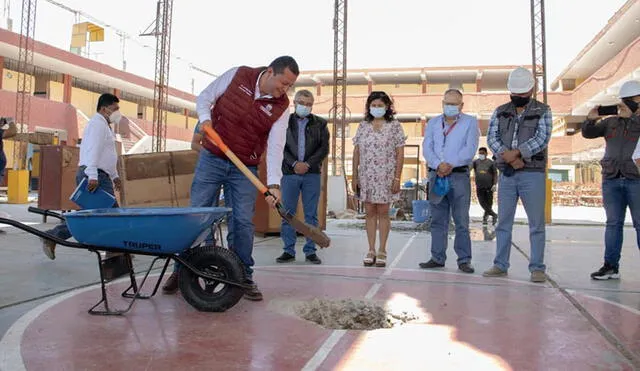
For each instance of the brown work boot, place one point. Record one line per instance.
(49, 248)
(171, 286)
(252, 293)
(494, 272)
(538, 276)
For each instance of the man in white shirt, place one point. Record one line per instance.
(98, 160)
(249, 109)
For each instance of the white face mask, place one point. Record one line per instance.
(115, 117)
(377, 112)
(302, 111)
(482, 157)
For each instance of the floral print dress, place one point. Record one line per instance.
(378, 160)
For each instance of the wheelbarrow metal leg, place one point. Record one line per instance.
(137, 290)
(104, 298)
(164, 270)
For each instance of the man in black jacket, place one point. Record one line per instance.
(306, 147)
(486, 180)
(620, 176)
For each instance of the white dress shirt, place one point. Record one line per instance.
(98, 148)
(277, 136)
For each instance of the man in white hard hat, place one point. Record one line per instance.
(620, 176)
(519, 133)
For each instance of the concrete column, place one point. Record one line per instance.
(66, 92)
(1, 70)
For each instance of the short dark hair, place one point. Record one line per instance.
(106, 100)
(281, 63)
(453, 91)
(482, 149)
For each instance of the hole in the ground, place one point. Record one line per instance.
(349, 314)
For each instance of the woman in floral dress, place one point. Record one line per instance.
(378, 156)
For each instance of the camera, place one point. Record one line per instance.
(607, 110)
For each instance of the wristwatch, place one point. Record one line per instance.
(273, 186)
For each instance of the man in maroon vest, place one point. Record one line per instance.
(248, 107)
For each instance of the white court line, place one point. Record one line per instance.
(10, 352)
(10, 345)
(603, 300)
(323, 352)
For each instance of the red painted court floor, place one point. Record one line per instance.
(466, 322)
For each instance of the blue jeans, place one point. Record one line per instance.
(104, 182)
(529, 187)
(292, 185)
(617, 194)
(456, 203)
(211, 173)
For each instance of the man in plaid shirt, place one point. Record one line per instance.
(519, 133)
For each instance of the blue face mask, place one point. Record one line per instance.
(451, 110)
(302, 111)
(377, 112)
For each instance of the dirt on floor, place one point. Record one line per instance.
(349, 314)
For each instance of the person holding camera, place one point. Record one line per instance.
(8, 129)
(620, 176)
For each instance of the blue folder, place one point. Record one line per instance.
(98, 199)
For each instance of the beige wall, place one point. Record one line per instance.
(85, 101)
(173, 119)
(399, 88)
(56, 91)
(10, 81)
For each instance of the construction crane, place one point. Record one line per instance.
(338, 111)
(25, 72)
(162, 32)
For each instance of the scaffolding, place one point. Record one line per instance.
(538, 49)
(162, 32)
(338, 112)
(25, 71)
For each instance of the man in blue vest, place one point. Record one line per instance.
(519, 133)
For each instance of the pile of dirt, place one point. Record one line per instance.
(349, 314)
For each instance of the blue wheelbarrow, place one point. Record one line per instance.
(211, 278)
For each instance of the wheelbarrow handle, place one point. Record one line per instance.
(37, 210)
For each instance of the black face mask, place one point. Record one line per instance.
(633, 105)
(520, 101)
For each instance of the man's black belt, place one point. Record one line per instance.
(99, 170)
(459, 169)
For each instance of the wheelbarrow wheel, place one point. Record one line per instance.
(207, 295)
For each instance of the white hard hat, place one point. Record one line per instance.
(630, 88)
(520, 81)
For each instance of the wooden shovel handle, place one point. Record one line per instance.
(213, 136)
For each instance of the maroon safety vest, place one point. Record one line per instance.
(242, 121)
